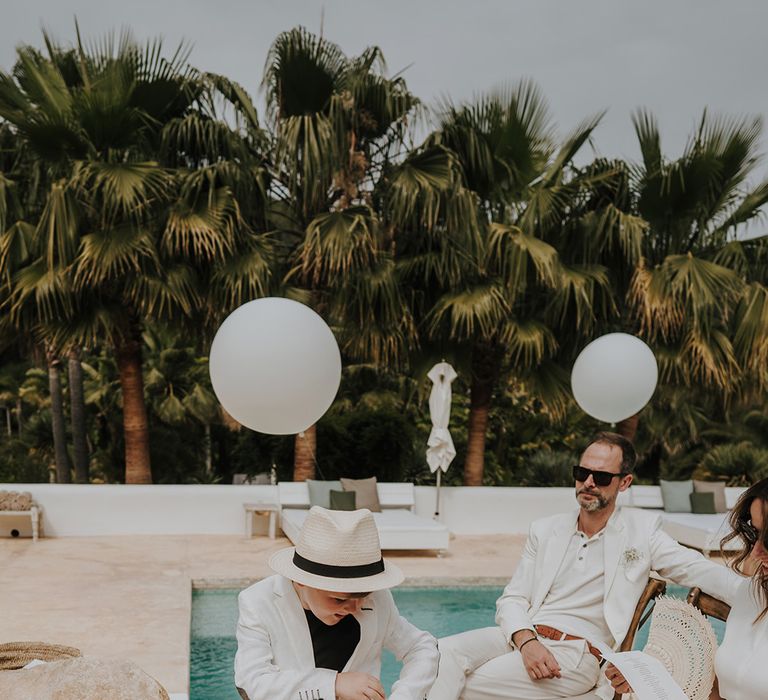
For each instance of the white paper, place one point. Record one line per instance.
(647, 676)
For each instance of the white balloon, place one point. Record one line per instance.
(275, 366)
(614, 377)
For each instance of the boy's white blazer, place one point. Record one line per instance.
(634, 545)
(275, 659)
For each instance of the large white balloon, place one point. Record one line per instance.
(614, 377)
(275, 366)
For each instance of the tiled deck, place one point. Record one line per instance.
(130, 597)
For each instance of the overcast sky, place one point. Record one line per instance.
(674, 57)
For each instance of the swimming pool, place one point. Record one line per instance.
(442, 611)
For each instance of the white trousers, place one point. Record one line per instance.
(481, 665)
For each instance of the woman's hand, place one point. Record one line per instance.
(618, 681)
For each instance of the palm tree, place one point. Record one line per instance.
(699, 290)
(178, 386)
(16, 244)
(502, 294)
(341, 186)
(124, 238)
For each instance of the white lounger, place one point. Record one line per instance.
(699, 530)
(399, 527)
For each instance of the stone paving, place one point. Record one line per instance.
(129, 597)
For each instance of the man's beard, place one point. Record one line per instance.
(598, 503)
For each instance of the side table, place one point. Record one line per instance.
(35, 513)
(269, 508)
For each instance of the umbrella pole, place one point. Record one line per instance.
(437, 504)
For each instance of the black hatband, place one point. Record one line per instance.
(358, 571)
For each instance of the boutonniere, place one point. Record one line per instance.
(630, 556)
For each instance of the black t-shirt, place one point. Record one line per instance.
(333, 644)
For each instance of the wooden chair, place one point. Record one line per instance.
(709, 605)
(653, 589)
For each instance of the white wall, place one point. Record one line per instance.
(478, 510)
(114, 509)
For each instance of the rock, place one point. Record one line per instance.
(84, 678)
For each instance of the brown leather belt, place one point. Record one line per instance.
(558, 636)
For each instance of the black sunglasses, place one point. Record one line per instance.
(600, 478)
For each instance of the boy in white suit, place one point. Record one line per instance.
(316, 630)
(578, 582)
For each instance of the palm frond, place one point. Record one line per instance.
(109, 254)
(242, 277)
(750, 339)
(476, 312)
(301, 74)
(512, 252)
(201, 223)
(548, 382)
(647, 131)
(57, 232)
(569, 148)
(167, 295)
(337, 244)
(502, 138)
(580, 292)
(376, 324)
(119, 191)
(528, 342)
(709, 357)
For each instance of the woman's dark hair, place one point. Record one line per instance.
(741, 526)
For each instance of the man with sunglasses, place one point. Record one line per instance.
(578, 583)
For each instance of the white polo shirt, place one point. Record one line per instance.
(575, 600)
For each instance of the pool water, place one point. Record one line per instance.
(441, 611)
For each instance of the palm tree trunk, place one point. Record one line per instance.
(19, 421)
(57, 420)
(138, 469)
(207, 449)
(77, 411)
(8, 420)
(486, 361)
(305, 448)
(628, 427)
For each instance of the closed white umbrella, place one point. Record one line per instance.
(440, 449)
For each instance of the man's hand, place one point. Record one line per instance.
(539, 661)
(358, 686)
(618, 681)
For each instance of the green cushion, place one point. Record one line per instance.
(343, 500)
(716, 488)
(676, 495)
(703, 502)
(319, 492)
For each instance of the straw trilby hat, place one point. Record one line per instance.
(338, 550)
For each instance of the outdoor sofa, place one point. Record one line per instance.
(399, 526)
(699, 530)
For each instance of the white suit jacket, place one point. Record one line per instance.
(634, 545)
(275, 659)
